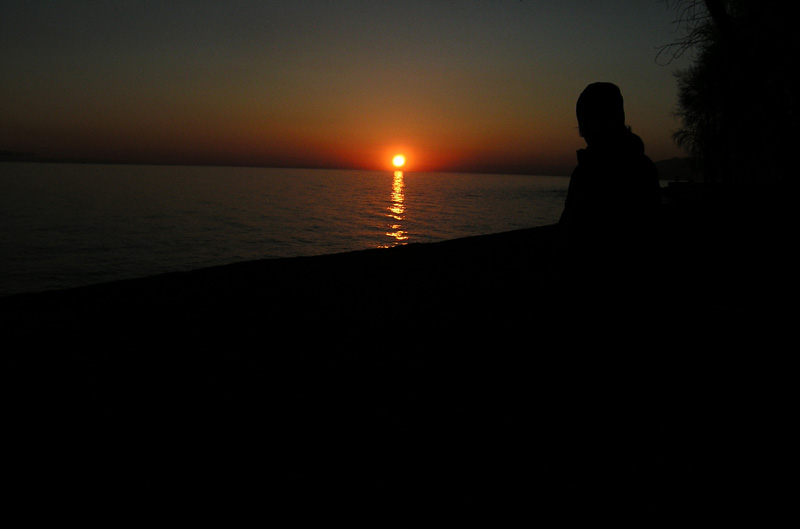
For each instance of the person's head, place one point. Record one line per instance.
(600, 112)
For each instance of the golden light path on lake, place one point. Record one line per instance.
(397, 211)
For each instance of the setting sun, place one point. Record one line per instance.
(399, 160)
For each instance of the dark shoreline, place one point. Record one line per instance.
(453, 375)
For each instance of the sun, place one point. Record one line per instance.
(399, 160)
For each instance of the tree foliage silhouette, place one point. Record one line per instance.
(737, 102)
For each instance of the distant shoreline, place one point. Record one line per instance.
(97, 161)
(30, 158)
(672, 169)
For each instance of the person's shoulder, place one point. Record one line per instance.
(634, 144)
(647, 164)
(646, 161)
(637, 150)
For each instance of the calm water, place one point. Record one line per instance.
(64, 225)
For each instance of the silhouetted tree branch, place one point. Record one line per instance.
(692, 20)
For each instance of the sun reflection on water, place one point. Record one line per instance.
(397, 211)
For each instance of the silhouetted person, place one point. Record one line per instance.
(611, 213)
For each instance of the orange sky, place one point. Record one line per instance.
(473, 85)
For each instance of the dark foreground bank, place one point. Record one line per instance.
(439, 381)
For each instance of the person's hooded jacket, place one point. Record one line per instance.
(613, 193)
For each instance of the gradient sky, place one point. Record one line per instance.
(455, 85)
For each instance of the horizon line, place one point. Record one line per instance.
(12, 156)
